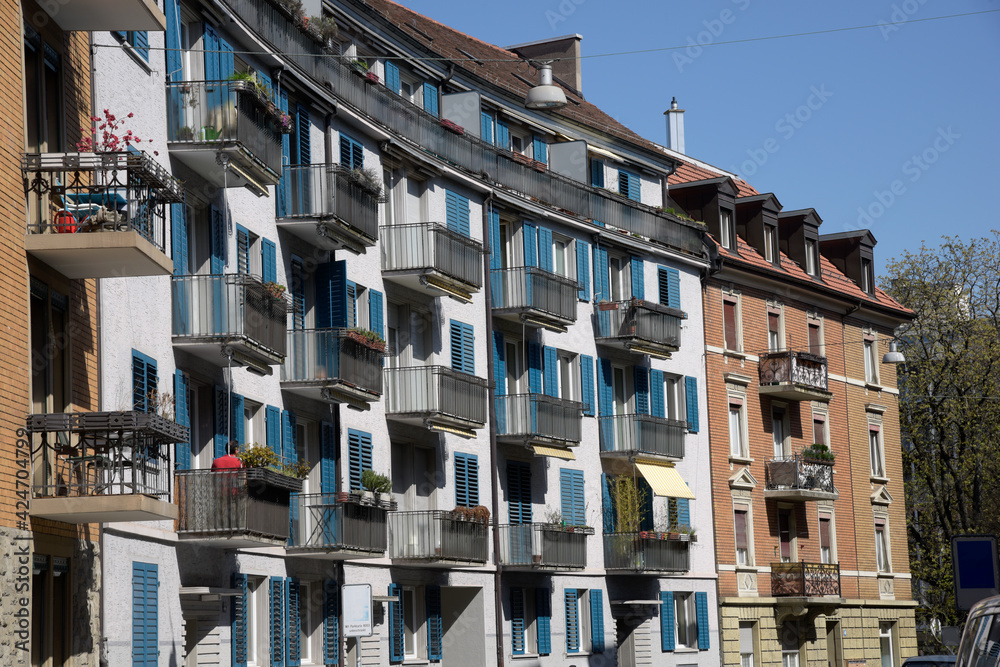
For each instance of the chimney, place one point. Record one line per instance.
(675, 127)
(563, 51)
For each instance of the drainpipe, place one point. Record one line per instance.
(495, 486)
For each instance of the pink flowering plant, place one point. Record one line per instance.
(113, 136)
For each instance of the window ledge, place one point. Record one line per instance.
(685, 649)
(745, 460)
(886, 574)
(526, 656)
(416, 661)
(735, 353)
(873, 386)
(879, 480)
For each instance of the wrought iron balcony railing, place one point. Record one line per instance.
(794, 477)
(643, 326)
(333, 358)
(537, 416)
(436, 535)
(642, 434)
(320, 523)
(794, 375)
(528, 290)
(433, 252)
(437, 392)
(632, 552)
(544, 545)
(332, 196)
(805, 579)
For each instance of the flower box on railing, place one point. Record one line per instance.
(367, 339)
(667, 536)
(371, 77)
(560, 528)
(368, 499)
(452, 126)
(273, 478)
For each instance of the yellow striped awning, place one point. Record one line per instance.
(557, 452)
(663, 479)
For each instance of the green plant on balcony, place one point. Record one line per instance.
(274, 291)
(359, 66)
(370, 339)
(368, 180)
(375, 482)
(818, 453)
(326, 27)
(629, 501)
(262, 90)
(259, 456)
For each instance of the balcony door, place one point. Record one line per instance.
(786, 534)
(779, 433)
(619, 392)
(517, 383)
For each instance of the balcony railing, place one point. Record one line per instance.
(228, 116)
(424, 132)
(101, 466)
(642, 434)
(805, 579)
(794, 375)
(428, 248)
(332, 358)
(543, 545)
(631, 551)
(244, 505)
(230, 308)
(70, 195)
(530, 290)
(321, 524)
(328, 193)
(437, 392)
(537, 416)
(794, 477)
(435, 535)
(647, 327)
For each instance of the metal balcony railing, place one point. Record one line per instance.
(642, 434)
(323, 191)
(430, 246)
(631, 551)
(415, 126)
(217, 113)
(794, 472)
(228, 306)
(321, 523)
(328, 356)
(437, 535)
(249, 503)
(537, 415)
(796, 368)
(544, 545)
(88, 454)
(805, 579)
(528, 288)
(436, 390)
(638, 321)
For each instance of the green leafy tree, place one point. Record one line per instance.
(949, 410)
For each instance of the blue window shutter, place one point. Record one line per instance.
(375, 318)
(392, 77)
(572, 497)
(293, 624)
(543, 620)
(457, 213)
(629, 185)
(237, 418)
(145, 607)
(288, 449)
(227, 60)
(641, 376)
(486, 128)
(302, 134)
(602, 289)
(597, 173)
(298, 291)
(277, 622)
(178, 238)
(496, 261)
(638, 278)
(396, 646)
(701, 613)
(657, 402)
(666, 621)
(540, 150)
(670, 287)
(242, 250)
(683, 511)
(183, 414)
(605, 398)
(143, 381)
(430, 98)
(587, 380)
(331, 622)
(607, 505)
(265, 80)
(519, 492)
(503, 135)
(550, 365)
(172, 40)
(328, 457)
(517, 620)
(293, 517)
(583, 269)
(140, 42)
(691, 398)
(240, 612)
(466, 480)
(435, 626)
(623, 179)
(331, 297)
(530, 235)
(463, 357)
(352, 154)
(572, 621)
(473, 468)
(269, 263)
(597, 620)
(217, 263)
(272, 427)
(468, 351)
(211, 41)
(545, 249)
(359, 446)
(283, 189)
(499, 365)
(221, 406)
(534, 368)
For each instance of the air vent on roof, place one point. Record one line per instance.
(413, 26)
(469, 56)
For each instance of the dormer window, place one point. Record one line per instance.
(726, 230)
(770, 244)
(867, 276)
(812, 265)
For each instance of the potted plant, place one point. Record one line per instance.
(818, 453)
(369, 339)
(273, 291)
(376, 484)
(360, 67)
(285, 125)
(271, 469)
(185, 134)
(368, 180)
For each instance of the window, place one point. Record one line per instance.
(584, 620)
(463, 358)
(530, 620)
(43, 90)
(145, 640)
(516, 143)
(685, 620)
(629, 185)
(144, 383)
(248, 246)
(747, 644)
(359, 454)
(619, 276)
(597, 173)
(412, 621)
(137, 39)
(414, 476)
(886, 642)
(771, 244)
(466, 480)
(826, 537)
(573, 501)
(786, 534)
(741, 516)
(731, 322)
(50, 342)
(737, 429)
(568, 374)
(726, 230)
(875, 451)
(882, 545)
(51, 610)
(871, 359)
(820, 434)
(417, 606)
(669, 284)
(867, 276)
(352, 154)
(774, 338)
(790, 644)
(812, 258)
(672, 392)
(779, 433)
(562, 256)
(815, 336)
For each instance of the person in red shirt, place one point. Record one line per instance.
(229, 460)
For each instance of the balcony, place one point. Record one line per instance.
(535, 297)
(631, 435)
(96, 15)
(332, 365)
(805, 580)
(429, 256)
(226, 132)
(324, 528)
(98, 215)
(229, 315)
(639, 326)
(244, 507)
(544, 546)
(631, 552)
(794, 376)
(436, 536)
(91, 467)
(795, 478)
(327, 206)
(437, 397)
(537, 418)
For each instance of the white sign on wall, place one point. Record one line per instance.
(357, 615)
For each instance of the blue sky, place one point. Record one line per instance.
(893, 128)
